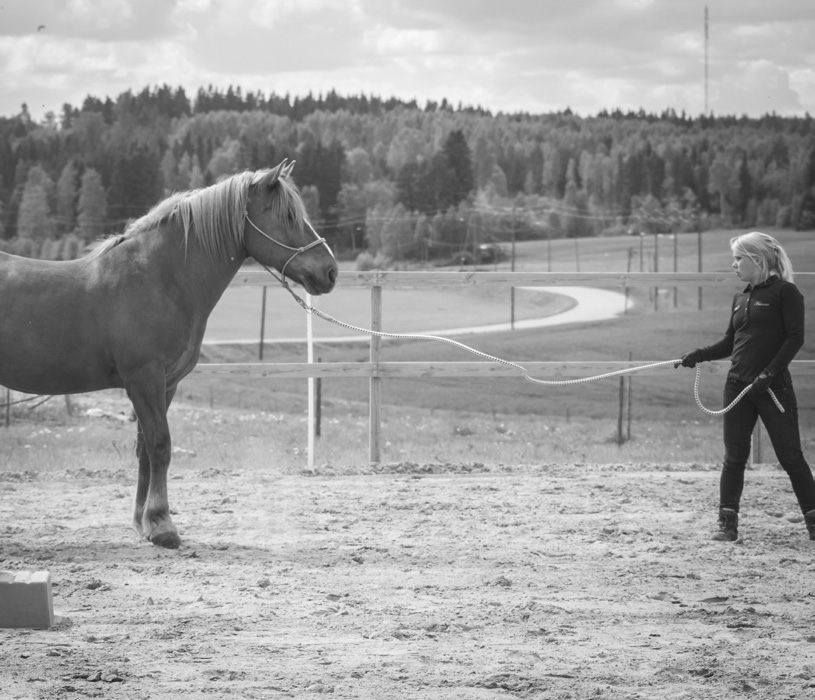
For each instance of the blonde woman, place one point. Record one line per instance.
(765, 332)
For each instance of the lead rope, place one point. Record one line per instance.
(524, 372)
(732, 403)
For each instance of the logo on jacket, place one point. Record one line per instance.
(760, 303)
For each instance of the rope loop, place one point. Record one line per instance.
(732, 403)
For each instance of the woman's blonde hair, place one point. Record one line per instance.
(766, 252)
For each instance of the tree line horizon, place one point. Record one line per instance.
(389, 179)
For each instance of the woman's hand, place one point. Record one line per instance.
(761, 383)
(690, 359)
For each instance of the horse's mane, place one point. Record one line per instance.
(215, 214)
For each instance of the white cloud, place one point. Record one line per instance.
(634, 4)
(390, 41)
(755, 87)
(98, 15)
(803, 82)
(505, 56)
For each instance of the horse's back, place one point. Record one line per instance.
(98, 321)
(50, 341)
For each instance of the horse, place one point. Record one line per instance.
(131, 313)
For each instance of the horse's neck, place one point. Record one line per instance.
(185, 268)
(185, 272)
(207, 277)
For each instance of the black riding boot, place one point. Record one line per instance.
(809, 519)
(729, 525)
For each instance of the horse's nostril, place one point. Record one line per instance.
(332, 274)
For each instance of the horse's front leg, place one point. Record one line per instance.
(143, 483)
(152, 508)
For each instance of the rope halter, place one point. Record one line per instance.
(302, 249)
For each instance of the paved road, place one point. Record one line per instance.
(590, 304)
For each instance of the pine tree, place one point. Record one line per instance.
(311, 198)
(71, 247)
(34, 220)
(806, 218)
(745, 190)
(93, 209)
(184, 173)
(169, 172)
(135, 186)
(197, 179)
(66, 197)
(459, 159)
(226, 160)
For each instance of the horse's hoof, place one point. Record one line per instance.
(168, 540)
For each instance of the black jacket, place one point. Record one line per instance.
(766, 330)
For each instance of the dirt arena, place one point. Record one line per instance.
(414, 581)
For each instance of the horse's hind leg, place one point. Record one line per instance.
(151, 512)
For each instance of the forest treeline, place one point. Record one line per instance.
(396, 180)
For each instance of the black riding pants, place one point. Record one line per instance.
(782, 429)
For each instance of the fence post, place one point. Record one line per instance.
(676, 266)
(548, 249)
(642, 252)
(262, 323)
(628, 269)
(755, 441)
(512, 288)
(620, 412)
(628, 400)
(310, 384)
(699, 262)
(375, 382)
(656, 269)
(318, 401)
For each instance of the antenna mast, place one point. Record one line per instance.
(706, 38)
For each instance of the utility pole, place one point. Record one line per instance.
(512, 269)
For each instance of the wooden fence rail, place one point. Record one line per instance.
(376, 370)
(618, 280)
(484, 369)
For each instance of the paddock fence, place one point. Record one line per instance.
(376, 370)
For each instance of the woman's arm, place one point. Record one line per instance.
(792, 310)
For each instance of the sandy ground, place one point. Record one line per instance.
(413, 581)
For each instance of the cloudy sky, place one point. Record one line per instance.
(503, 55)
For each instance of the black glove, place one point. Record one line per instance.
(690, 359)
(761, 383)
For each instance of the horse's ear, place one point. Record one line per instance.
(274, 174)
(287, 170)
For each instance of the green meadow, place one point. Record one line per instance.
(651, 331)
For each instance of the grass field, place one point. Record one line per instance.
(646, 334)
(99, 437)
(490, 420)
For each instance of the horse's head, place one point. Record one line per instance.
(277, 232)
